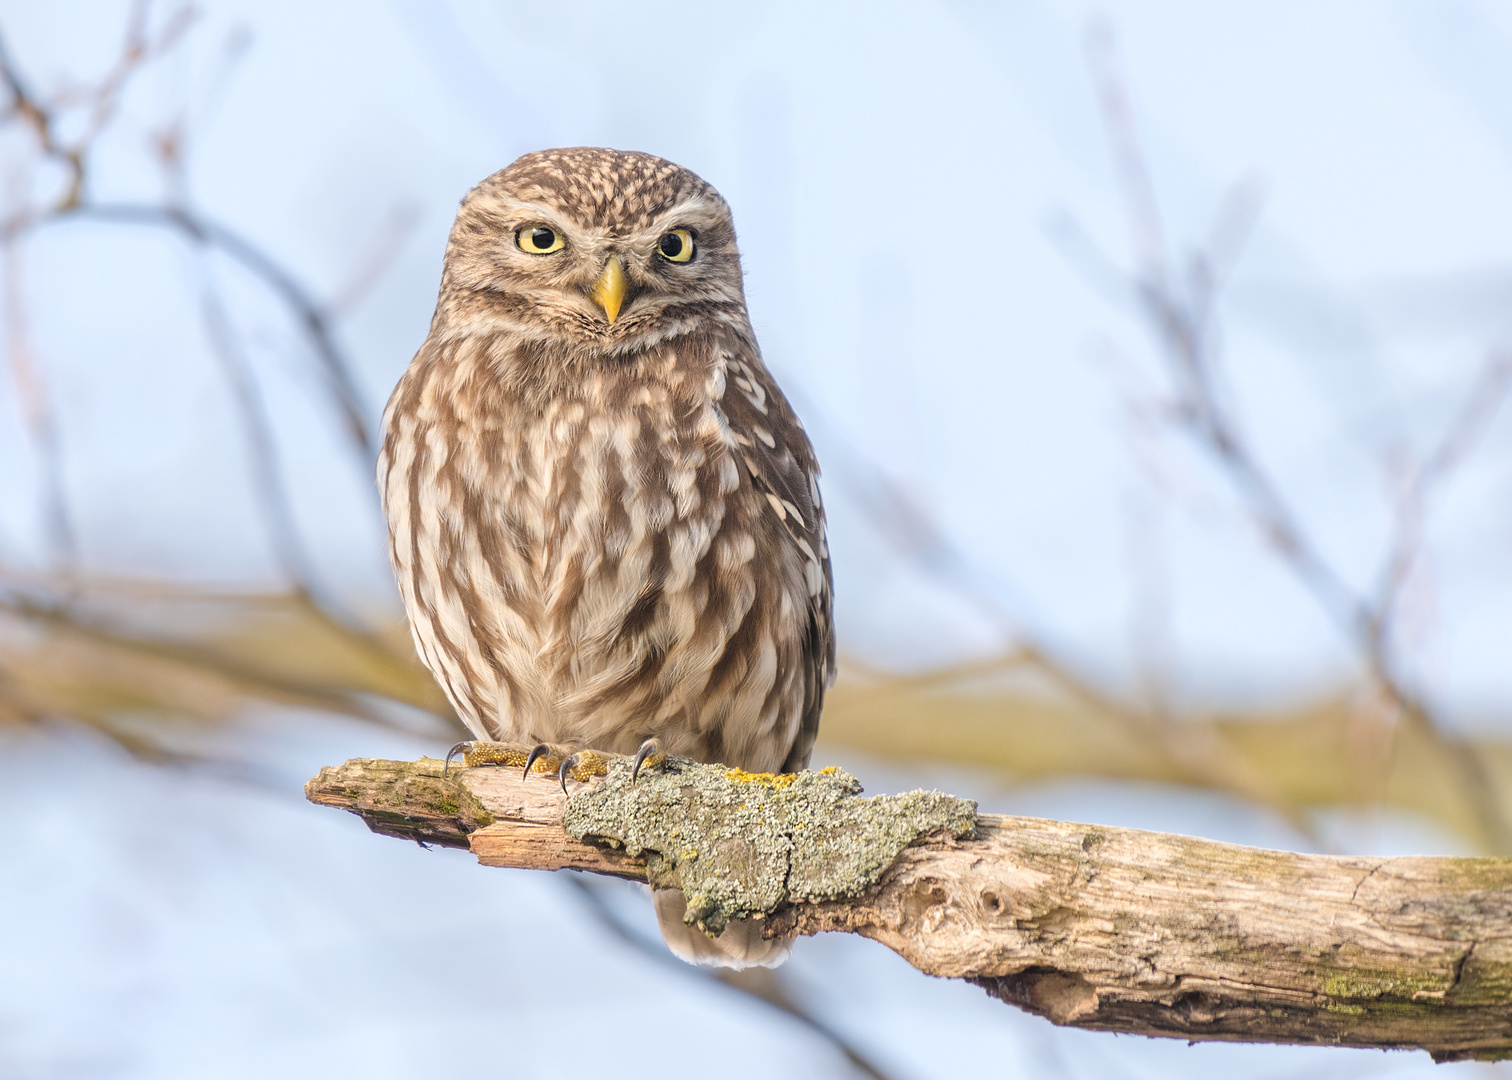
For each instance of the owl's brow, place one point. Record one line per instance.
(694, 209)
(509, 208)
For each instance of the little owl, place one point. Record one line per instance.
(604, 516)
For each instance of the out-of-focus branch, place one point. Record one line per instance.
(762, 984)
(99, 100)
(159, 669)
(312, 317)
(1194, 754)
(1181, 314)
(76, 663)
(262, 458)
(37, 414)
(43, 116)
(1419, 480)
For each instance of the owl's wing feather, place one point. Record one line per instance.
(780, 460)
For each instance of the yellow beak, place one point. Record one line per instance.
(610, 289)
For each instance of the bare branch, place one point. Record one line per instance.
(1147, 235)
(1419, 481)
(262, 449)
(36, 411)
(370, 266)
(761, 984)
(1181, 318)
(1101, 928)
(102, 98)
(311, 317)
(1196, 755)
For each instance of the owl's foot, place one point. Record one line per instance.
(544, 759)
(586, 764)
(582, 766)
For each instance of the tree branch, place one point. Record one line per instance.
(1092, 927)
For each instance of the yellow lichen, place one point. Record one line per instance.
(771, 780)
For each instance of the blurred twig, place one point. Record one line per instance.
(73, 662)
(1193, 754)
(312, 317)
(763, 984)
(151, 665)
(267, 477)
(97, 101)
(45, 117)
(37, 414)
(1181, 312)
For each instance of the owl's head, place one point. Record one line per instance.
(608, 249)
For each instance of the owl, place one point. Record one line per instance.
(604, 516)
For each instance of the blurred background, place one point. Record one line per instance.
(1156, 355)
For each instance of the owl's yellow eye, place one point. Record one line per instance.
(539, 240)
(676, 246)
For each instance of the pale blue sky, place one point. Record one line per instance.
(897, 178)
(899, 174)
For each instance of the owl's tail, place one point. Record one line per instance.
(740, 946)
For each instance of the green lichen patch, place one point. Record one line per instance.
(1426, 984)
(742, 845)
(405, 799)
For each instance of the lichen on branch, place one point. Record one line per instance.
(742, 845)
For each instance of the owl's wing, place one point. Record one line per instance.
(777, 455)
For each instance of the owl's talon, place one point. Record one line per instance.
(541, 750)
(650, 754)
(446, 765)
(568, 764)
(583, 766)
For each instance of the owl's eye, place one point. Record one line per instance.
(539, 240)
(676, 246)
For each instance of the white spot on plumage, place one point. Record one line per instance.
(815, 575)
(729, 475)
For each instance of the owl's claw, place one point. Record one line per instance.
(650, 754)
(582, 767)
(541, 750)
(446, 765)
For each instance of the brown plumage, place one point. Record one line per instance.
(604, 516)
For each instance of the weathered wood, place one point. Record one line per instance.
(1104, 928)
(502, 819)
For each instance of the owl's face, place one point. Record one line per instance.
(602, 249)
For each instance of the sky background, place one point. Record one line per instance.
(933, 235)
